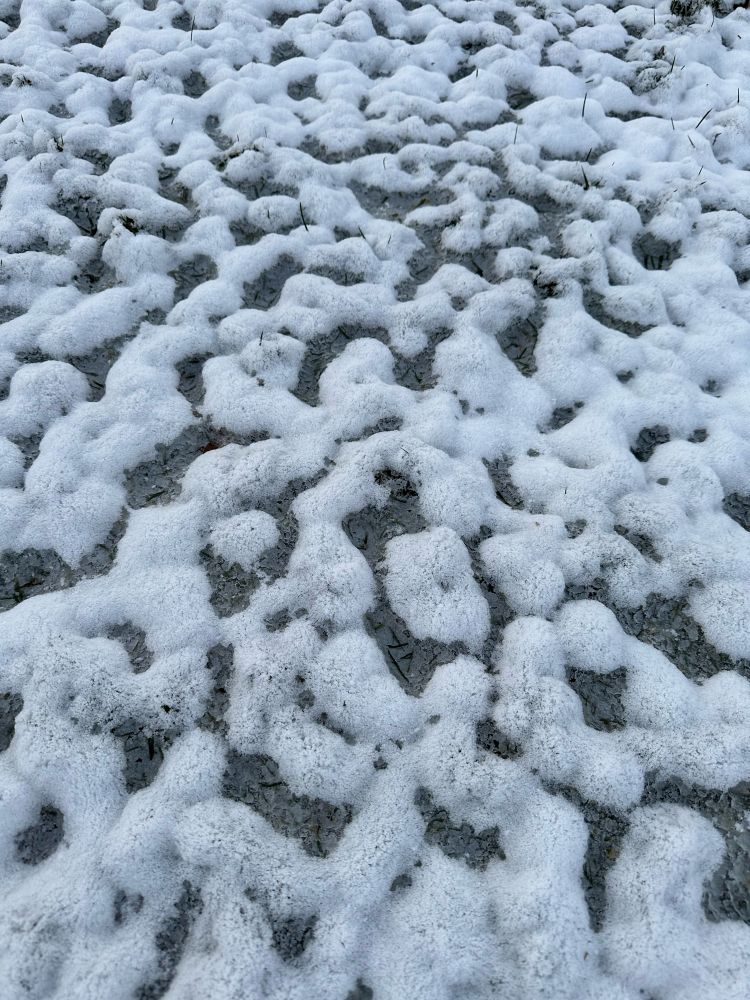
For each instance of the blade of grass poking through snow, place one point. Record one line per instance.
(302, 216)
(583, 109)
(704, 118)
(586, 184)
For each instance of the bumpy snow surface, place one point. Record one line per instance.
(374, 500)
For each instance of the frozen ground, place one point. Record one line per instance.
(374, 500)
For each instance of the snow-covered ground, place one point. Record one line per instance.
(374, 500)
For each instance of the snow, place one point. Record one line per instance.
(374, 500)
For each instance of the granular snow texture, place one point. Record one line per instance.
(374, 500)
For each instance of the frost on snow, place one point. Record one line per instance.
(374, 500)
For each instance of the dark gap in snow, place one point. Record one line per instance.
(493, 740)
(125, 905)
(520, 99)
(29, 446)
(255, 780)
(337, 273)
(183, 20)
(518, 342)
(394, 205)
(563, 415)
(11, 704)
(95, 365)
(499, 470)
(665, 623)
(648, 440)
(171, 940)
(460, 842)
(737, 506)
(99, 38)
(133, 639)
(601, 697)
(265, 291)
(120, 111)
(606, 829)
(360, 991)
(283, 52)
(220, 664)
(501, 613)
(641, 542)
(413, 372)
(231, 585)
(416, 372)
(159, 480)
(575, 528)
(84, 211)
(192, 273)
(194, 84)
(12, 16)
(94, 276)
(190, 371)
(30, 573)
(727, 892)
(595, 307)
(98, 158)
(143, 748)
(245, 233)
(655, 254)
(101, 558)
(291, 935)
(299, 90)
(40, 840)
(411, 661)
